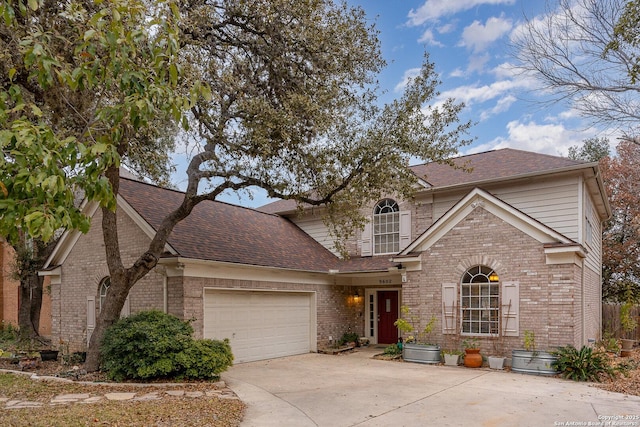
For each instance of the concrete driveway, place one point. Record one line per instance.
(355, 390)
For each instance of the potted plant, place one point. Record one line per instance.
(496, 360)
(530, 360)
(628, 324)
(451, 356)
(472, 356)
(417, 348)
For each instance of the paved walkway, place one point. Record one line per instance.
(218, 389)
(356, 390)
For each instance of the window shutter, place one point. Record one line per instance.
(510, 309)
(126, 308)
(405, 229)
(449, 314)
(365, 248)
(91, 316)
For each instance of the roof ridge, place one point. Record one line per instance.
(497, 150)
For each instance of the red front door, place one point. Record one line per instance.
(387, 315)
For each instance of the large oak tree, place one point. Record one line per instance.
(288, 103)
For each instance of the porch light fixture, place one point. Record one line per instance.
(356, 296)
(493, 277)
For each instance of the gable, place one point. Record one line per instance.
(480, 198)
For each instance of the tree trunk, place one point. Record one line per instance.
(29, 304)
(109, 314)
(123, 279)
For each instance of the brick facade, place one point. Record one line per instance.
(83, 272)
(10, 293)
(548, 293)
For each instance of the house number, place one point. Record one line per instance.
(384, 281)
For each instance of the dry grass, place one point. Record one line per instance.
(628, 382)
(167, 411)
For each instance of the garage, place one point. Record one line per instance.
(260, 324)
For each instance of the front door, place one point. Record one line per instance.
(387, 315)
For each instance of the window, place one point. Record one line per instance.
(480, 301)
(588, 232)
(386, 227)
(104, 287)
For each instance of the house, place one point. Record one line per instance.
(513, 245)
(10, 293)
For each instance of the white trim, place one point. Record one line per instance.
(492, 204)
(367, 310)
(573, 254)
(69, 239)
(55, 274)
(179, 267)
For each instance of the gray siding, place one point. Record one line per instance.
(552, 202)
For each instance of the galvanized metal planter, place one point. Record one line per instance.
(421, 353)
(533, 362)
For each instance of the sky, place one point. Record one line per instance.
(469, 42)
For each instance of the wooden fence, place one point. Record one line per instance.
(611, 321)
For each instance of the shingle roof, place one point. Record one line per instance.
(487, 166)
(490, 165)
(220, 231)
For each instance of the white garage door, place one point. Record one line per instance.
(259, 324)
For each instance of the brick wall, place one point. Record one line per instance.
(547, 293)
(82, 273)
(8, 286)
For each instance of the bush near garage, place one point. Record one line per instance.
(154, 345)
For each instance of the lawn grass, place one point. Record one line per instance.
(167, 411)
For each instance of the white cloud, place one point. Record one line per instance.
(447, 28)
(408, 75)
(477, 63)
(470, 94)
(457, 73)
(553, 139)
(478, 37)
(429, 38)
(501, 106)
(432, 10)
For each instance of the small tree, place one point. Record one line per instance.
(410, 323)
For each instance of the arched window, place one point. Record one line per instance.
(104, 287)
(480, 301)
(386, 227)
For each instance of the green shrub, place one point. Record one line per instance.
(392, 350)
(205, 359)
(582, 365)
(8, 333)
(349, 337)
(153, 344)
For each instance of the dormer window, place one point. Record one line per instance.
(386, 227)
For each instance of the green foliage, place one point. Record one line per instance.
(609, 343)
(8, 333)
(349, 337)
(627, 322)
(392, 350)
(582, 365)
(627, 37)
(592, 150)
(410, 322)
(84, 85)
(205, 359)
(529, 340)
(470, 343)
(152, 344)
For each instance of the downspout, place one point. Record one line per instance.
(165, 291)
